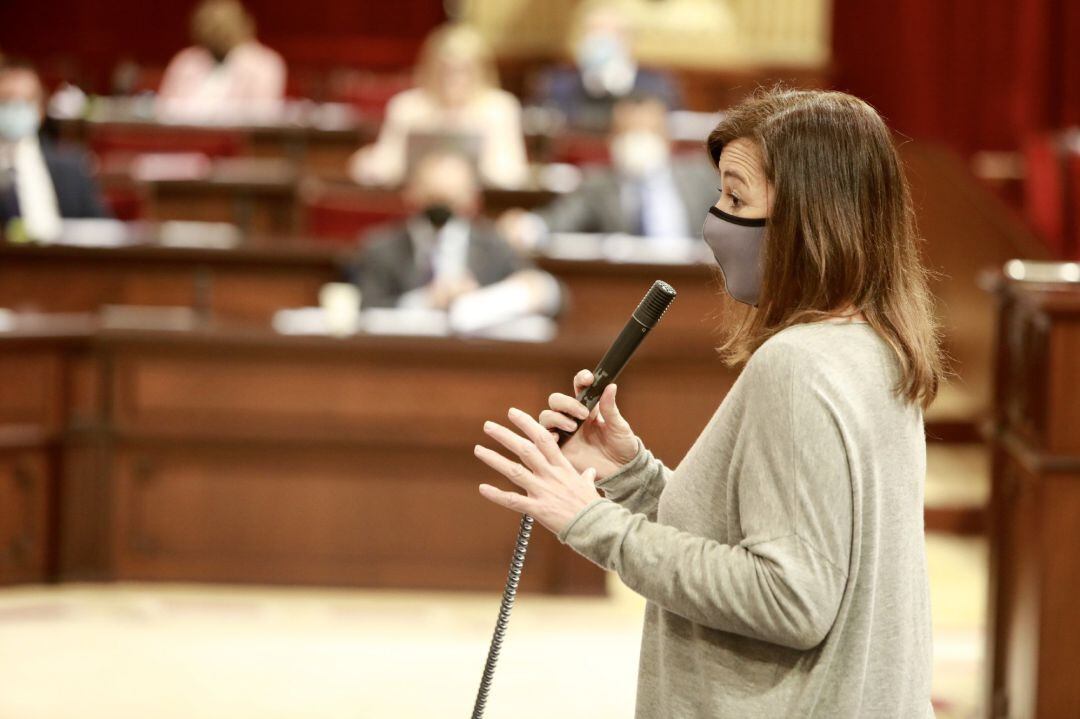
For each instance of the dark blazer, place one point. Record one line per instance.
(562, 88)
(77, 194)
(387, 268)
(597, 204)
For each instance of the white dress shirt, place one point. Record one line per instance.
(24, 163)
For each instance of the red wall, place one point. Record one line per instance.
(84, 39)
(974, 73)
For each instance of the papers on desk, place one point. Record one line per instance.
(399, 322)
(157, 166)
(199, 235)
(95, 233)
(626, 249)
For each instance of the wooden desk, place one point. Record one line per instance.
(264, 274)
(1034, 627)
(258, 195)
(248, 282)
(218, 454)
(319, 138)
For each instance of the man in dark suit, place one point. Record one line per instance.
(444, 251)
(605, 71)
(645, 192)
(39, 183)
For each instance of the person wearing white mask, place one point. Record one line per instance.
(39, 184)
(646, 191)
(601, 45)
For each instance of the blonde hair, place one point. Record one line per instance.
(841, 232)
(458, 41)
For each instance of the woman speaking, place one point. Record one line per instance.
(783, 560)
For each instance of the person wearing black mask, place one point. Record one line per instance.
(444, 251)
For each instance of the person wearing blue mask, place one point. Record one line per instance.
(39, 184)
(605, 70)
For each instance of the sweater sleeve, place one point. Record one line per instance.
(784, 580)
(638, 483)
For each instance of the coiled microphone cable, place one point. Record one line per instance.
(648, 313)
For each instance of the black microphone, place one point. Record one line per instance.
(648, 313)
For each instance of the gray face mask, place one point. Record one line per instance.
(737, 243)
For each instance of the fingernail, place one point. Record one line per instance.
(476, 449)
(514, 411)
(488, 426)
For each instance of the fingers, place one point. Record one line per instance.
(582, 379)
(557, 420)
(507, 468)
(540, 437)
(568, 406)
(511, 500)
(610, 410)
(526, 451)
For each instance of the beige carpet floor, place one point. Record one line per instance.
(151, 651)
(141, 651)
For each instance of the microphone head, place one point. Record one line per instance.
(655, 303)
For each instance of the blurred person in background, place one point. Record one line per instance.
(605, 70)
(39, 183)
(457, 93)
(647, 191)
(444, 251)
(227, 75)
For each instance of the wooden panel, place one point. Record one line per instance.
(31, 389)
(1034, 629)
(374, 517)
(1063, 420)
(80, 282)
(1019, 633)
(1059, 582)
(365, 394)
(24, 501)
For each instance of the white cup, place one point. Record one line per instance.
(340, 302)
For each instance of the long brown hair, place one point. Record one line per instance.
(841, 232)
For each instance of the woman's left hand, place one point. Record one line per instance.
(555, 491)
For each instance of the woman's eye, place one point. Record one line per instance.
(732, 197)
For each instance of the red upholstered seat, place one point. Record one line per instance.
(581, 149)
(1071, 224)
(1044, 189)
(115, 141)
(342, 215)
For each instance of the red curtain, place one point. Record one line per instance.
(977, 74)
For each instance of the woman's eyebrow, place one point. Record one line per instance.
(736, 175)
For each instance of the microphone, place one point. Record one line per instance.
(645, 317)
(648, 313)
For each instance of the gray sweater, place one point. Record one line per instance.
(783, 560)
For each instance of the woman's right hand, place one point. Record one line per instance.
(605, 441)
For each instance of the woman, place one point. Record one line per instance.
(783, 560)
(227, 75)
(457, 93)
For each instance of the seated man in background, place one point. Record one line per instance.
(645, 192)
(227, 75)
(444, 253)
(39, 183)
(605, 71)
